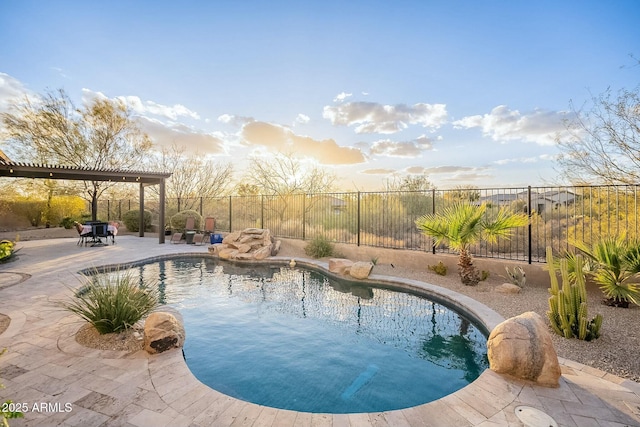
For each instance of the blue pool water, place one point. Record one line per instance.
(295, 339)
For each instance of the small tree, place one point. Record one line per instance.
(603, 140)
(463, 224)
(102, 135)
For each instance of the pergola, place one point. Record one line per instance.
(30, 170)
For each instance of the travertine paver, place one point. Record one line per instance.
(44, 364)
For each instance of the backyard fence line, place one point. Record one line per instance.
(558, 216)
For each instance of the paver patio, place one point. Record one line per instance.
(77, 386)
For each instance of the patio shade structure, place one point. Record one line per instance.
(12, 169)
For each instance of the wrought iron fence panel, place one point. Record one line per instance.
(558, 216)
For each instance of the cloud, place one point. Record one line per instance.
(534, 159)
(193, 140)
(371, 117)
(146, 107)
(452, 173)
(341, 96)
(280, 138)
(235, 120)
(302, 118)
(401, 149)
(11, 90)
(379, 171)
(503, 124)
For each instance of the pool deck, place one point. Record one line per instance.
(44, 365)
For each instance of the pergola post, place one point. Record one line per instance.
(161, 215)
(141, 219)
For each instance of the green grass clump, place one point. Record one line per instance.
(113, 302)
(439, 268)
(319, 247)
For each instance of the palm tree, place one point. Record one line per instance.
(617, 268)
(463, 224)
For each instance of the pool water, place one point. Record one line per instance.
(295, 339)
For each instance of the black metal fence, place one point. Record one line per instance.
(387, 219)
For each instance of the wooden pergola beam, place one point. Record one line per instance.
(40, 171)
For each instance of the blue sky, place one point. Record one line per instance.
(468, 92)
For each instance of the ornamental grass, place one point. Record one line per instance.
(113, 302)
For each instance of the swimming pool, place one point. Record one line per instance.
(296, 339)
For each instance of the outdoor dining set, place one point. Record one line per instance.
(93, 233)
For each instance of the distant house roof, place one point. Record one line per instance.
(32, 170)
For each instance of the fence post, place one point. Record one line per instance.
(358, 220)
(120, 209)
(433, 211)
(304, 215)
(529, 227)
(230, 215)
(108, 209)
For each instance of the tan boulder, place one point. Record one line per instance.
(521, 347)
(231, 237)
(339, 265)
(263, 252)
(228, 253)
(248, 244)
(361, 270)
(508, 288)
(162, 332)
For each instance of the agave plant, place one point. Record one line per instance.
(462, 225)
(617, 268)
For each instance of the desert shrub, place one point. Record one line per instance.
(62, 207)
(7, 250)
(113, 302)
(32, 210)
(67, 222)
(131, 220)
(319, 247)
(179, 220)
(484, 275)
(440, 269)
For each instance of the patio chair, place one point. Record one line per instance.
(83, 235)
(176, 237)
(209, 226)
(190, 224)
(198, 239)
(112, 231)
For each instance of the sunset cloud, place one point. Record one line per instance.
(193, 140)
(379, 171)
(401, 149)
(11, 90)
(144, 108)
(280, 138)
(503, 124)
(371, 117)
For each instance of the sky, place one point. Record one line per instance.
(468, 92)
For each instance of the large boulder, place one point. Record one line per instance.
(361, 270)
(162, 332)
(339, 265)
(248, 244)
(521, 347)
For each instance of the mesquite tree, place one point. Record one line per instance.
(100, 135)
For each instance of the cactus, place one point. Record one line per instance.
(517, 276)
(568, 305)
